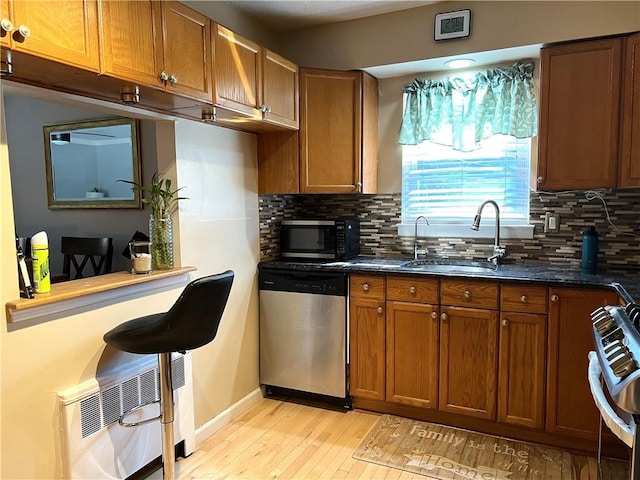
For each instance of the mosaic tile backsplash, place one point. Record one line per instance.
(619, 230)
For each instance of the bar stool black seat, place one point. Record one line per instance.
(190, 323)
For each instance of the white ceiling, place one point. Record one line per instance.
(284, 15)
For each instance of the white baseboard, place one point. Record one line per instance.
(225, 417)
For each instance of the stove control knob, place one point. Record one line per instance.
(598, 311)
(613, 336)
(603, 324)
(608, 349)
(623, 366)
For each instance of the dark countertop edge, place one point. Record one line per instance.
(623, 282)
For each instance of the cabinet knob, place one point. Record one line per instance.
(359, 184)
(540, 179)
(265, 108)
(467, 294)
(444, 317)
(524, 299)
(434, 315)
(505, 323)
(412, 290)
(173, 79)
(6, 25)
(365, 287)
(380, 310)
(164, 76)
(23, 31)
(555, 298)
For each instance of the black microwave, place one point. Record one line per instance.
(320, 239)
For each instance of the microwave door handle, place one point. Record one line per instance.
(618, 426)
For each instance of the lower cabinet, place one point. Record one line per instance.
(521, 372)
(468, 361)
(412, 335)
(515, 354)
(570, 408)
(367, 336)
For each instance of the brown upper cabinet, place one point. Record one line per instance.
(163, 44)
(68, 35)
(630, 155)
(581, 126)
(338, 131)
(252, 84)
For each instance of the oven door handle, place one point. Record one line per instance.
(618, 426)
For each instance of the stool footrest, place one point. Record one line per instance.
(141, 422)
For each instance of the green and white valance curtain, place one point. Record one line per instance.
(460, 112)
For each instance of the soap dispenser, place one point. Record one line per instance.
(589, 249)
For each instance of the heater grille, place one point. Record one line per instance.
(105, 407)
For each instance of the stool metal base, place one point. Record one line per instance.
(166, 416)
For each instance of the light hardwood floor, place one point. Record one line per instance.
(284, 440)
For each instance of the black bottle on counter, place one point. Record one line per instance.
(589, 249)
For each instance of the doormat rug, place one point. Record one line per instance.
(441, 452)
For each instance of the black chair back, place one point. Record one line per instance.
(190, 323)
(194, 318)
(81, 251)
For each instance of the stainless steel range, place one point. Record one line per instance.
(615, 365)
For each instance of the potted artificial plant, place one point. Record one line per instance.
(163, 201)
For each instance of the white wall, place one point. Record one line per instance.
(216, 229)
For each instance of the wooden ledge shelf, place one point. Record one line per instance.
(86, 292)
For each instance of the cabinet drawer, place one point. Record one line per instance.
(412, 289)
(523, 298)
(469, 293)
(366, 286)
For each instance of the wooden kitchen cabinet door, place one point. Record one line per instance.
(468, 361)
(237, 72)
(570, 407)
(367, 336)
(280, 91)
(630, 155)
(186, 51)
(580, 115)
(131, 40)
(521, 369)
(412, 354)
(62, 31)
(338, 132)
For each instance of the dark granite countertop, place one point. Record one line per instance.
(624, 281)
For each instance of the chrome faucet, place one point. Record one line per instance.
(417, 252)
(498, 252)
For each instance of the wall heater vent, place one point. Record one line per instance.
(95, 445)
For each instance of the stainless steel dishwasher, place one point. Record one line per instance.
(303, 333)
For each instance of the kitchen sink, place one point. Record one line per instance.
(444, 265)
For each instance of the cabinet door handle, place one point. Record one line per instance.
(365, 287)
(555, 298)
(6, 25)
(173, 79)
(505, 323)
(540, 179)
(434, 315)
(164, 76)
(444, 317)
(524, 299)
(380, 310)
(359, 184)
(24, 31)
(467, 294)
(412, 290)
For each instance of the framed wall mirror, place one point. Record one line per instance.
(85, 161)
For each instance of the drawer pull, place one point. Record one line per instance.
(380, 310)
(555, 298)
(444, 317)
(365, 287)
(6, 25)
(434, 315)
(467, 294)
(524, 299)
(505, 323)
(413, 290)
